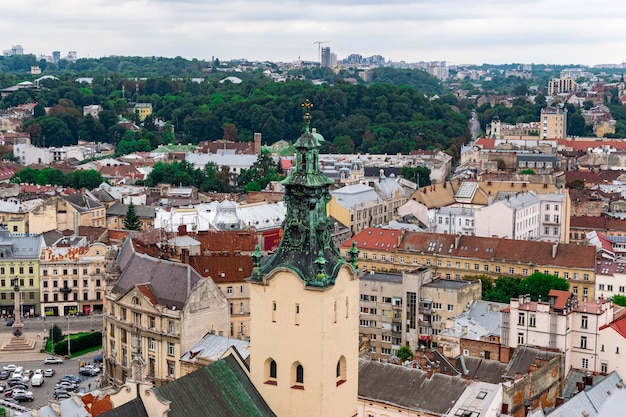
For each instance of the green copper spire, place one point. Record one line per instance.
(306, 247)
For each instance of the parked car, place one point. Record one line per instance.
(2, 387)
(36, 380)
(4, 374)
(10, 368)
(19, 386)
(23, 396)
(28, 373)
(66, 385)
(72, 378)
(48, 372)
(89, 370)
(51, 360)
(61, 395)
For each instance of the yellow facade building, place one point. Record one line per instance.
(458, 256)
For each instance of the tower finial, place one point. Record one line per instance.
(307, 105)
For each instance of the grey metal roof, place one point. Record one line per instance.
(448, 284)
(133, 408)
(119, 209)
(82, 203)
(20, 247)
(378, 277)
(213, 347)
(354, 195)
(481, 319)
(408, 387)
(591, 399)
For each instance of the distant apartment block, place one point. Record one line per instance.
(553, 123)
(558, 86)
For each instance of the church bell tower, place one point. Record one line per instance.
(304, 303)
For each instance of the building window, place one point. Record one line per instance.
(532, 320)
(583, 342)
(450, 307)
(604, 367)
(520, 338)
(511, 270)
(170, 348)
(575, 290)
(383, 257)
(524, 271)
(586, 277)
(585, 291)
(340, 372)
(299, 374)
(170, 369)
(583, 322)
(585, 363)
(521, 319)
(152, 344)
(170, 327)
(498, 269)
(229, 290)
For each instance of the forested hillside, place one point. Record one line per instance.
(379, 118)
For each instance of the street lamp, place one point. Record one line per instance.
(69, 350)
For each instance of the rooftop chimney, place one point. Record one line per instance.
(554, 249)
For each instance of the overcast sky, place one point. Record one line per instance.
(457, 31)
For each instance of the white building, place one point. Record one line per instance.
(610, 278)
(563, 322)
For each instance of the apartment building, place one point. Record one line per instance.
(442, 300)
(562, 323)
(19, 260)
(72, 278)
(161, 308)
(610, 278)
(562, 85)
(553, 123)
(458, 256)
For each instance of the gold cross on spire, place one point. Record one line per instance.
(307, 105)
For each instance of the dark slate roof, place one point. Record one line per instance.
(408, 387)
(119, 210)
(168, 280)
(82, 203)
(51, 236)
(221, 389)
(483, 369)
(133, 408)
(524, 357)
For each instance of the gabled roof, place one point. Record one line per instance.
(376, 239)
(170, 282)
(221, 389)
(482, 369)
(590, 401)
(560, 298)
(120, 210)
(408, 387)
(525, 356)
(618, 325)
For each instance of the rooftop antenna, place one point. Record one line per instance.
(319, 50)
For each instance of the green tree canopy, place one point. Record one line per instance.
(538, 285)
(131, 220)
(619, 299)
(404, 353)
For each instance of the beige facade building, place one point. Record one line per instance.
(558, 86)
(553, 123)
(66, 213)
(72, 278)
(162, 308)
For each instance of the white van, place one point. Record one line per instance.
(36, 380)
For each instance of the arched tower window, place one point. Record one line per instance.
(271, 372)
(341, 370)
(297, 375)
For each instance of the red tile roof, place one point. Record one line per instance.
(477, 247)
(583, 145)
(588, 222)
(561, 298)
(619, 326)
(376, 239)
(486, 143)
(147, 292)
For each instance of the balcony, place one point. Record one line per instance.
(65, 290)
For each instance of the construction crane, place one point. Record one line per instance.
(319, 49)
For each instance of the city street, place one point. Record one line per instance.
(33, 359)
(76, 324)
(45, 392)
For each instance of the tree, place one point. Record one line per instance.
(538, 285)
(55, 333)
(619, 299)
(404, 353)
(419, 175)
(131, 220)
